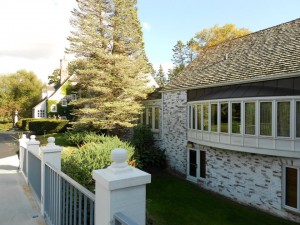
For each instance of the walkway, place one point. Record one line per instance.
(17, 205)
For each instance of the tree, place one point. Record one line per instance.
(19, 91)
(191, 50)
(54, 78)
(107, 40)
(160, 77)
(216, 34)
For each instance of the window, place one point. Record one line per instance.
(250, 118)
(194, 113)
(214, 117)
(156, 117)
(236, 118)
(150, 117)
(64, 102)
(297, 119)
(291, 187)
(197, 163)
(190, 117)
(224, 117)
(53, 108)
(205, 117)
(73, 97)
(41, 113)
(266, 118)
(283, 119)
(199, 117)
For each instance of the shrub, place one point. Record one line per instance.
(39, 126)
(23, 124)
(80, 138)
(79, 163)
(148, 155)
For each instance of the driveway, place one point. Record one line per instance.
(8, 144)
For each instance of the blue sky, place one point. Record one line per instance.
(167, 21)
(33, 32)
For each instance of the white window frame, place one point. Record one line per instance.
(64, 102)
(152, 109)
(53, 108)
(284, 188)
(198, 163)
(291, 117)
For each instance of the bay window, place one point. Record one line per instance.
(214, 117)
(199, 117)
(224, 117)
(236, 118)
(283, 119)
(266, 118)
(205, 116)
(298, 119)
(250, 118)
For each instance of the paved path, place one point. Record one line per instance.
(8, 143)
(17, 205)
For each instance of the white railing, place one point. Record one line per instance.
(63, 201)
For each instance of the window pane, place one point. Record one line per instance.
(298, 119)
(194, 116)
(199, 117)
(291, 187)
(224, 117)
(156, 118)
(283, 119)
(150, 117)
(193, 163)
(266, 118)
(190, 117)
(236, 118)
(202, 164)
(205, 117)
(214, 117)
(250, 118)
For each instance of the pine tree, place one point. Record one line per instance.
(160, 77)
(107, 40)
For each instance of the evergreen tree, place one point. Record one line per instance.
(54, 78)
(179, 56)
(107, 41)
(160, 77)
(191, 51)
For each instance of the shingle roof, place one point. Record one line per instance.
(269, 52)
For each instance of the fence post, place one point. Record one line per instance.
(22, 151)
(120, 188)
(33, 146)
(50, 153)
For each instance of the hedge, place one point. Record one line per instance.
(23, 123)
(48, 126)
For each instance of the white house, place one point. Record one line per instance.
(231, 120)
(55, 101)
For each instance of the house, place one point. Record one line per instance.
(231, 120)
(55, 100)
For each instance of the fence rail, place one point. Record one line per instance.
(66, 201)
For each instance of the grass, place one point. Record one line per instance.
(173, 201)
(59, 139)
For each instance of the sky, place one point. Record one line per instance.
(33, 32)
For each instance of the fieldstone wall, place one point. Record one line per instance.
(251, 179)
(174, 129)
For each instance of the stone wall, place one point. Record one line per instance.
(251, 179)
(174, 129)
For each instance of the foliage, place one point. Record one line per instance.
(19, 91)
(148, 155)
(169, 198)
(54, 78)
(41, 126)
(216, 34)
(22, 124)
(111, 64)
(81, 138)
(160, 77)
(79, 163)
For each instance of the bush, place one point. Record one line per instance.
(81, 138)
(23, 124)
(39, 126)
(79, 163)
(149, 156)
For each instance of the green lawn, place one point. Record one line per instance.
(173, 201)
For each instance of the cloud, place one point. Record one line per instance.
(146, 26)
(165, 65)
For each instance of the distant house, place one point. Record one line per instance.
(231, 120)
(55, 101)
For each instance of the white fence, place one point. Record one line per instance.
(120, 196)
